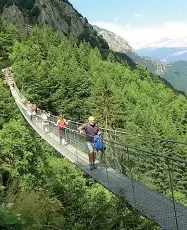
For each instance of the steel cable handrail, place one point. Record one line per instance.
(119, 133)
(121, 147)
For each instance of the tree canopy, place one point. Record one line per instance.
(39, 189)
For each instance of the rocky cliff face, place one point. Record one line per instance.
(59, 14)
(120, 45)
(116, 43)
(12, 15)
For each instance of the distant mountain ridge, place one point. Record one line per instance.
(175, 73)
(165, 54)
(119, 44)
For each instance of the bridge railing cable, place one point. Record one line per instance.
(158, 170)
(149, 168)
(117, 134)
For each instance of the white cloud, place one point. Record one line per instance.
(127, 26)
(137, 16)
(170, 34)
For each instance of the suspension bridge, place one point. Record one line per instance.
(121, 179)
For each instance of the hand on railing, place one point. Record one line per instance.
(81, 131)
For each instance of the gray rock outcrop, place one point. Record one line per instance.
(13, 15)
(58, 14)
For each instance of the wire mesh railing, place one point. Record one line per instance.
(134, 163)
(159, 170)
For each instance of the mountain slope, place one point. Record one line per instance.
(119, 44)
(58, 14)
(177, 74)
(174, 73)
(61, 16)
(165, 54)
(115, 42)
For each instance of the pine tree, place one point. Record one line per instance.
(106, 104)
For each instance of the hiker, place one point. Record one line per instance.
(62, 123)
(29, 110)
(91, 129)
(45, 122)
(34, 112)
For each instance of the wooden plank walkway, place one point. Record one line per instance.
(151, 203)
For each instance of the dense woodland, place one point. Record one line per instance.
(63, 76)
(38, 188)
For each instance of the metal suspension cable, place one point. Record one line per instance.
(118, 133)
(168, 213)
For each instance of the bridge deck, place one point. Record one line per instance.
(151, 203)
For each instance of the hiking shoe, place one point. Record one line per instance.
(91, 167)
(94, 166)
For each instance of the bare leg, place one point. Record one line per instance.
(93, 156)
(93, 153)
(60, 135)
(90, 154)
(92, 160)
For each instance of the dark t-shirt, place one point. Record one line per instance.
(90, 130)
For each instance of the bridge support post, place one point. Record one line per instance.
(106, 169)
(131, 176)
(76, 143)
(172, 191)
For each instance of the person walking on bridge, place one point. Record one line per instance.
(90, 129)
(62, 123)
(45, 121)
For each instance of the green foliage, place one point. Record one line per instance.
(46, 191)
(38, 209)
(8, 35)
(7, 219)
(67, 87)
(27, 4)
(64, 77)
(176, 75)
(90, 35)
(106, 104)
(8, 109)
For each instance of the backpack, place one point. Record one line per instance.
(98, 143)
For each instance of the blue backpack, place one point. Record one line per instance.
(98, 143)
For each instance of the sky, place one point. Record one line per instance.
(143, 23)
